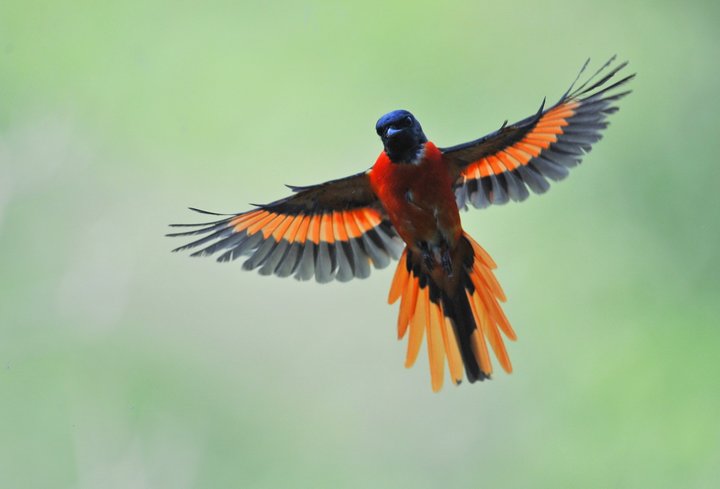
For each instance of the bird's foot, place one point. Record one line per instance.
(446, 261)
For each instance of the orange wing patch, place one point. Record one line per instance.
(544, 133)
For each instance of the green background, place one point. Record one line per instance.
(125, 366)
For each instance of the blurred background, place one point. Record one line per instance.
(125, 366)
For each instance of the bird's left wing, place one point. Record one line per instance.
(502, 166)
(334, 230)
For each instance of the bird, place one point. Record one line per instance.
(407, 207)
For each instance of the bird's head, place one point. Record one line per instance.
(401, 135)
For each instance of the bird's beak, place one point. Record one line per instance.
(391, 132)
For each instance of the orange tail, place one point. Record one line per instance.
(458, 313)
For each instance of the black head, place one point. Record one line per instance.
(401, 135)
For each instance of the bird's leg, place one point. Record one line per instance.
(436, 255)
(427, 254)
(445, 257)
(446, 260)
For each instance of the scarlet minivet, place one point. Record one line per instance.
(407, 206)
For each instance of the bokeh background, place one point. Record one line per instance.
(125, 366)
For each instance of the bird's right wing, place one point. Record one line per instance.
(335, 230)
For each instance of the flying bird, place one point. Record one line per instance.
(407, 207)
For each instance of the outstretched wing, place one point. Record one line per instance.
(502, 165)
(337, 229)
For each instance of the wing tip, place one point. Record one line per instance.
(609, 73)
(542, 106)
(211, 213)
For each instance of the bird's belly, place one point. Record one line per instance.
(423, 210)
(418, 197)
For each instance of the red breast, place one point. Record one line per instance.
(418, 196)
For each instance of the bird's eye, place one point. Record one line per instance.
(407, 121)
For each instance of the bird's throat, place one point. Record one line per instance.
(407, 156)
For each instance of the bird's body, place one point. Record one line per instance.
(418, 197)
(407, 206)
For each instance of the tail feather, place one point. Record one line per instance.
(450, 343)
(459, 314)
(417, 328)
(462, 317)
